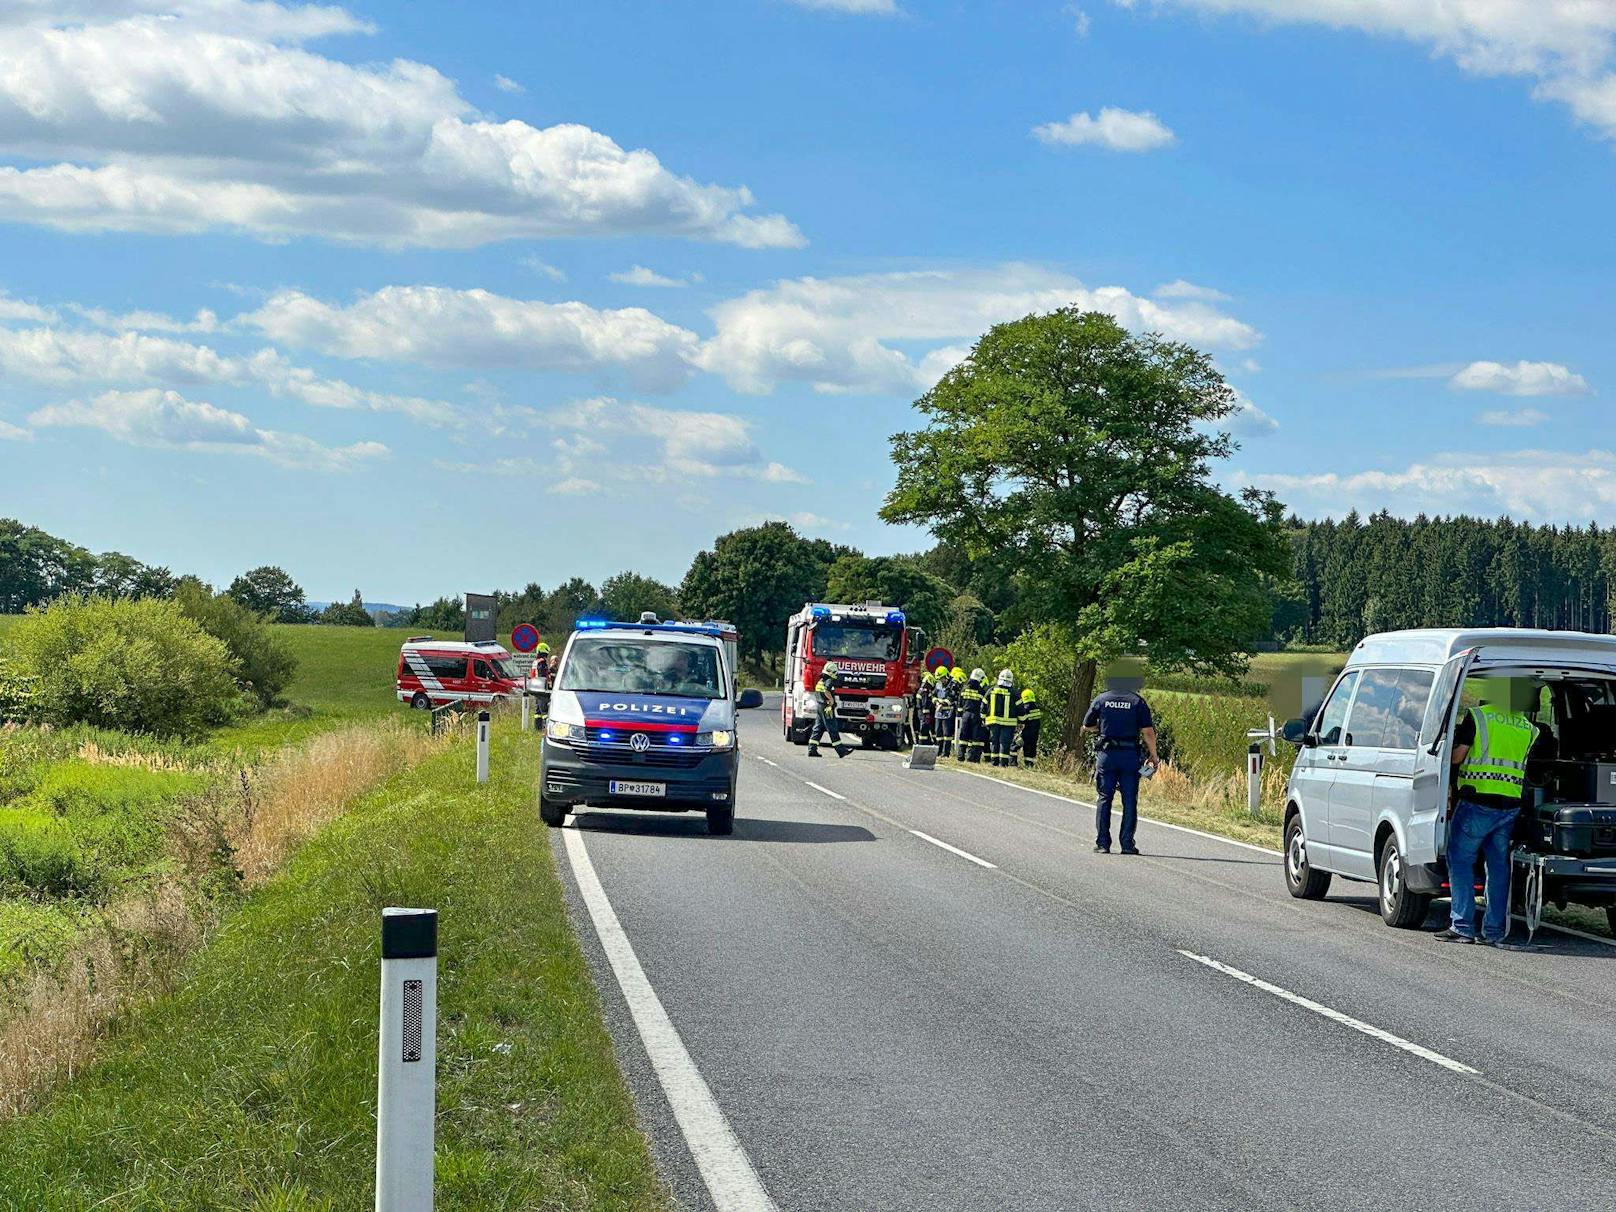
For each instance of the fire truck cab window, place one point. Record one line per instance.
(837, 641)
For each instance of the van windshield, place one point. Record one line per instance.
(629, 666)
(838, 641)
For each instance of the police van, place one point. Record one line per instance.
(1371, 793)
(642, 715)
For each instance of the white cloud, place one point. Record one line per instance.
(247, 18)
(803, 520)
(1525, 418)
(1540, 485)
(167, 420)
(545, 269)
(843, 334)
(1520, 379)
(1115, 129)
(146, 321)
(1248, 419)
(14, 433)
(639, 275)
(16, 309)
(209, 116)
(506, 85)
(443, 327)
(1566, 46)
(1180, 289)
(51, 355)
(883, 8)
(575, 486)
(1080, 20)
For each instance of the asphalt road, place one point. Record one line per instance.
(886, 1023)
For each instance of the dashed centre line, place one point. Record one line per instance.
(964, 854)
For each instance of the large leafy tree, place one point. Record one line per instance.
(628, 594)
(1076, 456)
(757, 578)
(270, 591)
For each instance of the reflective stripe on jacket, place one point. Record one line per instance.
(1496, 763)
(1001, 706)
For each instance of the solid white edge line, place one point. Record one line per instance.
(724, 1166)
(964, 854)
(1066, 799)
(826, 790)
(1346, 1020)
(1229, 841)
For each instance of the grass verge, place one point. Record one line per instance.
(253, 1085)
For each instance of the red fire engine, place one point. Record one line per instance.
(877, 657)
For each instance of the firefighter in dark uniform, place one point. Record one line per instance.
(971, 732)
(539, 680)
(925, 703)
(943, 710)
(1124, 724)
(1031, 716)
(825, 713)
(1001, 718)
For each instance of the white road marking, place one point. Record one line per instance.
(825, 790)
(964, 854)
(1229, 841)
(768, 761)
(725, 1168)
(1066, 799)
(1396, 1041)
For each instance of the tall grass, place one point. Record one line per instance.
(214, 845)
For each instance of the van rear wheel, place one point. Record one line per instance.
(420, 702)
(1304, 883)
(1399, 907)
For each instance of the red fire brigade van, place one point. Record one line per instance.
(434, 672)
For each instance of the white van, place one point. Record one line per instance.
(1369, 796)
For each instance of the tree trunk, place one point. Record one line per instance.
(1077, 705)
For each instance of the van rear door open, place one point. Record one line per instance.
(1428, 823)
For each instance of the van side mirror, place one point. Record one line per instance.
(1295, 731)
(750, 697)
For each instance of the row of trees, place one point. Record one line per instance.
(1355, 577)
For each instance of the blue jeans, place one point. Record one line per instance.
(824, 722)
(1116, 770)
(1474, 831)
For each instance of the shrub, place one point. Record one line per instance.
(266, 661)
(140, 666)
(18, 692)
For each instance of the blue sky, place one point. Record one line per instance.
(438, 297)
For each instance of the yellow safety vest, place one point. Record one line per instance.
(1496, 763)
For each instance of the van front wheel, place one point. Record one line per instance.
(721, 821)
(1304, 883)
(551, 813)
(1398, 906)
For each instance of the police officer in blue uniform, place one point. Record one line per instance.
(1125, 726)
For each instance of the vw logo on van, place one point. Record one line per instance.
(639, 742)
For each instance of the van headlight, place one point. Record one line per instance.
(560, 730)
(717, 739)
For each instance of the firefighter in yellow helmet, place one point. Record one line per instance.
(944, 702)
(1031, 716)
(825, 713)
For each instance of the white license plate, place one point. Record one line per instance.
(630, 788)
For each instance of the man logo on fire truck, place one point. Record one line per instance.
(877, 656)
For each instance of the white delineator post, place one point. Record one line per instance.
(527, 712)
(1254, 778)
(482, 747)
(406, 1086)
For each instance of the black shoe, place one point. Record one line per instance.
(1450, 935)
(1130, 850)
(1098, 849)
(813, 753)
(843, 750)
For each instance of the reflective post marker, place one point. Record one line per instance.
(482, 747)
(407, 1060)
(1254, 778)
(527, 713)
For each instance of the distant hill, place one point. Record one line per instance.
(370, 607)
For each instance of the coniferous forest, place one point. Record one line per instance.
(1357, 576)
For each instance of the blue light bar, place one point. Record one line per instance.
(895, 616)
(592, 624)
(821, 612)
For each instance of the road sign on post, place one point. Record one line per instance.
(407, 1058)
(524, 637)
(482, 746)
(939, 658)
